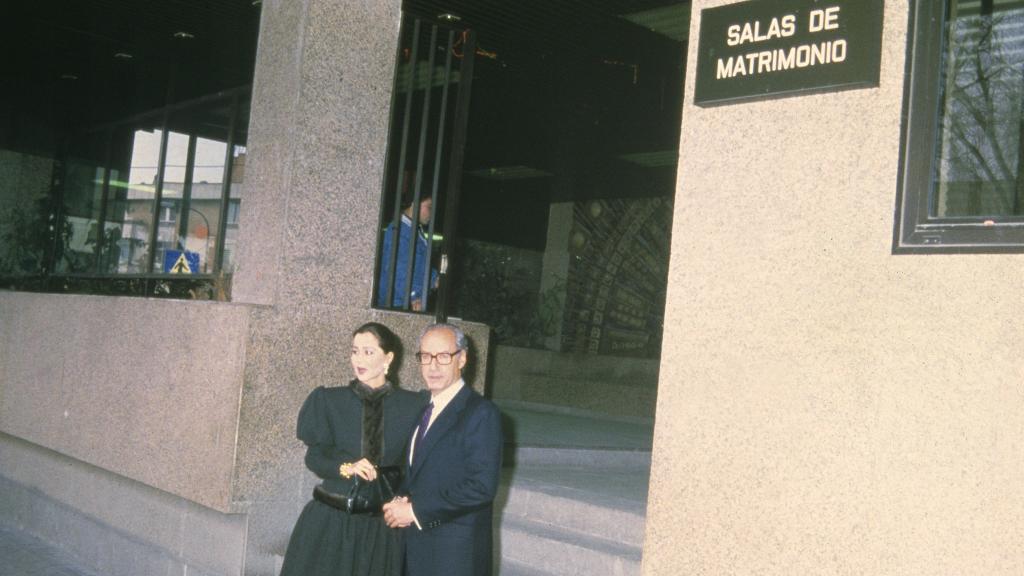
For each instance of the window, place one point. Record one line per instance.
(134, 197)
(117, 167)
(233, 207)
(176, 160)
(168, 212)
(428, 121)
(962, 183)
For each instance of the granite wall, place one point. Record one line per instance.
(146, 389)
(824, 406)
(178, 410)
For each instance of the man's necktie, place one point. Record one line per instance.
(422, 430)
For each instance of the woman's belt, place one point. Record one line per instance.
(331, 499)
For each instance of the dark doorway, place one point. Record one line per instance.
(569, 170)
(562, 248)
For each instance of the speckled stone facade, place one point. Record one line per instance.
(147, 389)
(824, 406)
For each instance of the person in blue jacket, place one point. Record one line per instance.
(417, 292)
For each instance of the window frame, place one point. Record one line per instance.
(915, 231)
(214, 284)
(406, 160)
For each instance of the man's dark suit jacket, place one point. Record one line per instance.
(451, 483)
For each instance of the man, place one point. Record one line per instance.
(412, 290)
(453, 468)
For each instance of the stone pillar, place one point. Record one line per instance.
(824, 406)
(318, 142)
(318, 137)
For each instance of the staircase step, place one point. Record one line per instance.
(506, 567)
(594, 394)
(573, 510)
(573, 498)
(544, 549)
(577, 457)
(534, 426)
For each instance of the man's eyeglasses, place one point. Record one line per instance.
(443, 358)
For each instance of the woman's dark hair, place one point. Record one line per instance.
(386, 339)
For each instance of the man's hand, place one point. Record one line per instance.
(398, 513)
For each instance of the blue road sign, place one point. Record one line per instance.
(181, 262)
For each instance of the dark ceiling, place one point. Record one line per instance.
(55, 40)
(575, 29)
(58, 37)
(568, 87)
(571, 100)
(81, 62)
(567, 68)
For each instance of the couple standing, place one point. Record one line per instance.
(448, 443)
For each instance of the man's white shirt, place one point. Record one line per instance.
(440, 402)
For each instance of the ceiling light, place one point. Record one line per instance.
(448, 17)
(123, 56)
(68, 76)
(181, 34)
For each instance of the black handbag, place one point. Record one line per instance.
(364, 497)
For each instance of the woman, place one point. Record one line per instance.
(349, 430)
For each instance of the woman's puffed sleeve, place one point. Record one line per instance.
(314, 429)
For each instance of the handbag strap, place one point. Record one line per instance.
(384, 482)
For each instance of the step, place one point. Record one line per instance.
(580, 511)
(506, 567)
(24, 554)
(548, 435)
(611, 396)
(604, 458)
(529, 363)
(543, 549)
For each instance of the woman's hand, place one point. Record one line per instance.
(364, 469)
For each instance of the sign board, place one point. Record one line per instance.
(181, 262)
(770, 48)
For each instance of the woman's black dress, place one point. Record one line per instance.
(340, 425)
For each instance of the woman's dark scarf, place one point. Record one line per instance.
(373, 418)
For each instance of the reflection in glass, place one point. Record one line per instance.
(193, 188)
(234, 207)
(24, 212)
(978, 173)
(173, 191)
(204, 202)
(80, 213)
(120, 187)
(133, 210)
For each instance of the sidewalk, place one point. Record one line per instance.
(23, 555)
